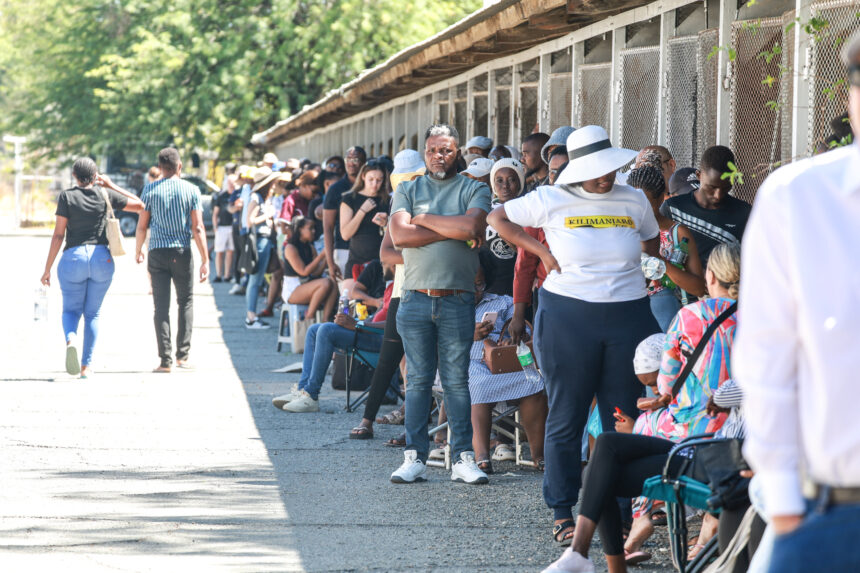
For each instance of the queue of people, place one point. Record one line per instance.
(623, 270)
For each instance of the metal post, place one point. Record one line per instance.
(667, 30)
(728, 11)
(619, 42)
(800, 113)
(18, 142)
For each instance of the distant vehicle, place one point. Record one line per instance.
(208, 189)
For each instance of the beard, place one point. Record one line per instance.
(438, 174)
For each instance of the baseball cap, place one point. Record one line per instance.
(479, 167)
(683, 181)
(480, 142)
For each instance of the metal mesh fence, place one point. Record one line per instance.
(461, 108)
(530, 72)
(479, 83)
(481, 114)
(786, 87)
(560, 93)
(754, 122)
(592, 95)
(528, 110)
(707, 85)
(413, 120)
(681, 100)
(640, 90)
(828, 97)
(502, 113)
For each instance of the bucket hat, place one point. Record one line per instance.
(262, 177)
(591, 155)
(407, 161)
(558, 137)
(481, 142)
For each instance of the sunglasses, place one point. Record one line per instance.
(854, 75)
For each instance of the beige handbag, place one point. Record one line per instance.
(114, 234)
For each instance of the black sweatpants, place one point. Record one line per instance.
(176, 266)
(584, 349)
(619, 466)
(389, 360)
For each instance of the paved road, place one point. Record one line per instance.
(135, 471)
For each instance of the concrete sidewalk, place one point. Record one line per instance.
(196, 471)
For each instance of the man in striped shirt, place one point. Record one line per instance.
(173, 215)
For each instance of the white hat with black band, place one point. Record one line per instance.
(591, 156)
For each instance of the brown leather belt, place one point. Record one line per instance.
(832, 495)
(439, 292)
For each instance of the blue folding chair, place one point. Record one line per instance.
(356, 355)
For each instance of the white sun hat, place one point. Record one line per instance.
(591, 155)
(407, 161)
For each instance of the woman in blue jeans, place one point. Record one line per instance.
(86, 266)
(261, 218)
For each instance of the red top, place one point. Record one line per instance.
(294, 204)
(382, 313)
(529, 270)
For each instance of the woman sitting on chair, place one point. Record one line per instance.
(303, 269)
(622, 462)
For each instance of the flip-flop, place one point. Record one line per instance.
(361, 433)
(394, 418)
(73, 364)
(397, 442)
(636, 557)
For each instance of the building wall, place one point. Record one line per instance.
(679, 73)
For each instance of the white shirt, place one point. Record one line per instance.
(596, 239)
(796, 354)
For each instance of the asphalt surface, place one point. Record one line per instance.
(135, 471)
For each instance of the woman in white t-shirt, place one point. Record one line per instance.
(594, 309)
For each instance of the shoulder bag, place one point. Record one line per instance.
(502, 358)
(249, 258)
(112, 230)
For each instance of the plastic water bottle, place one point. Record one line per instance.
(40, 306)
(653, 268)
(527, 361)
(344, 301)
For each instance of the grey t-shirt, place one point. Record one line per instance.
(446, 264)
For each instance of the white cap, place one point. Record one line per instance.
(407, 161)
(479, 167)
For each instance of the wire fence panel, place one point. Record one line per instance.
(754, 118)
(640, 92)
(786, 88)
(528, 110)
(592, 95)
(461, 108)
(707, 85)
(503, 116)
(559, 103)
(481, 114)
(681, 100)
(828, 92)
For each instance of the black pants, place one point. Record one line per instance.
(389, 360)
(237, 249)
(584, 349)
(619, 466)
(177, 265)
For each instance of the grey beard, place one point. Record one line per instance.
(438, 174)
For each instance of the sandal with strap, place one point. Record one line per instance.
(485, 465)
(361, 433)
(559, 530)
(397, 442)
(393, 418)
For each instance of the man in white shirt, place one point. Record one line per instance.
(796, 354)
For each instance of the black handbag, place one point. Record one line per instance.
(249, 258)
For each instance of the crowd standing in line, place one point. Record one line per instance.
(623, 262)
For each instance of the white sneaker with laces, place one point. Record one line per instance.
(279, 401)
(570, 562)
(255, 324)
(302, 403)
(236, 289)
(411, 470)
(466, 470)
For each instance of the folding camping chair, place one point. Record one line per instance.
(368, 359)
(679, 490)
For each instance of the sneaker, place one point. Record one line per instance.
(437, 454)
(256, 324)
(411, 470)
(73, 363)
(571, 562)
(504, 453)
(217, 280)
(237, 289)
(302, 403)
(466, 470)
(279, 401)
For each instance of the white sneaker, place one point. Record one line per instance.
(302, 403)
(437, 454)
(411, 470)
(73, 363)
(256, 324)
(571, 562)
(466, 470)
(279, 401)
(504, 453)
(237, 289)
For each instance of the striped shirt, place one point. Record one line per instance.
(170, 202)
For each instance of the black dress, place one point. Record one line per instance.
(364, 244)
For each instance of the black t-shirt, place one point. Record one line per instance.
(372, 279)
(225, 217)
(318, 224)
(364, 244)
(306, 254)
(502, 257)
(710, 227)
(86, 211)
(332, 201)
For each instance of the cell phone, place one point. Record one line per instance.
(490, 316)
(619, 414)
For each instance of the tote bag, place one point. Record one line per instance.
(112, 230)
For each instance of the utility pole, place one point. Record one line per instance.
(18, 141)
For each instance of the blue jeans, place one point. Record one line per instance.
(664, 306)
(825, 541)
(85, 273)
(437, 332)
(264, 250)
(320, 342)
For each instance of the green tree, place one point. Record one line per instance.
(135, 74)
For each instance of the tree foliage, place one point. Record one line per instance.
(86, 76)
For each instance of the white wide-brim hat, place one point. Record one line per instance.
(591, 155)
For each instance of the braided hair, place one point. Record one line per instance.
(649, 179)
